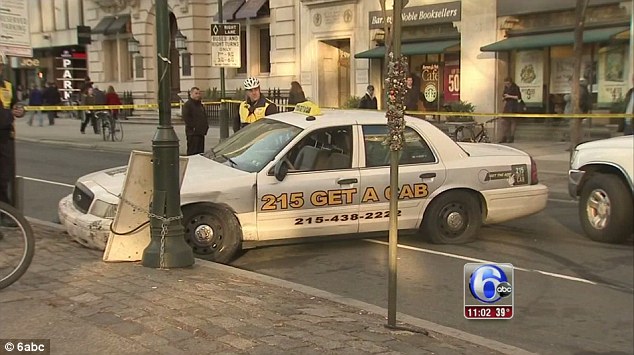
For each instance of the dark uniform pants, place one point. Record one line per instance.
(7, 168)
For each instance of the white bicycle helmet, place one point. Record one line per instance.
(251, 83)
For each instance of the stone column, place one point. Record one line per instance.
(478, 75)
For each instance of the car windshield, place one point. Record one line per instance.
(254, 146)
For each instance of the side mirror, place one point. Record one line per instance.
(281, 169)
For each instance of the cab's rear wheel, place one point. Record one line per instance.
(454, 217)
(213, 233)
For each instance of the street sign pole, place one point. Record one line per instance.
(225, 52)
(224, 119)
(167, 248)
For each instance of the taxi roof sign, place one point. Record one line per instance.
(307, 108)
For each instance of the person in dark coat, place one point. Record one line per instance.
(36, 98)
(89, 100)
(368, 101)
(196, 124)
(51, 98)
(296, 95)
(412, 94)
(9, 111)
(511, 96)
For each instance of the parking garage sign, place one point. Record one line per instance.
(225, 45)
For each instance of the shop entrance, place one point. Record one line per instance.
(334, 72)
(174, 57)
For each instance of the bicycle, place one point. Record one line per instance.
(111, 128)
(466, 133)
(17, 245)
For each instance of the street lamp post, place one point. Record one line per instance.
(167, 248)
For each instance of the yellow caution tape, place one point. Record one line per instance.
(316, 110)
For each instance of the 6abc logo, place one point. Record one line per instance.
(489, 285)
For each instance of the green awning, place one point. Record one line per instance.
(414, 48)
(552, 39)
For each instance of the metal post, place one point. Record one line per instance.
(224, 120)
(394, 156)
(167, 248)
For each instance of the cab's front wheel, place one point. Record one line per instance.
(213, 233)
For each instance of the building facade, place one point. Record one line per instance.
(58, 38)
(457, 50)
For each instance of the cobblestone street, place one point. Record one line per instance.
(84, 305)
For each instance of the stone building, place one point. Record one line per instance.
(457, 50)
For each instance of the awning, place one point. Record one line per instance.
(103, 25)
(552, 39)
(622, 36)
(229, 10)
(120, 25)
(250, 9)
(414, 48)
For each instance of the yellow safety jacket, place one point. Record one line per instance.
(7, 129)
(6, 95)
(250, 113)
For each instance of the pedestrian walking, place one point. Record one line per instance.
(89, 116)
(255, 107)
(196, 124)
(9, 111)
(51, 98)
(368, 101)
(511, 96)
(296, 94)
(36, 98)
(112, 98)
(100, 96)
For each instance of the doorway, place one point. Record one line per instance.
(174, 57)
(334, 72)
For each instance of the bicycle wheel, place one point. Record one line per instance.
(117, 133)
(17, 245)
(105, 128)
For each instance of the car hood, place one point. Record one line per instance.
(202, 174)
(489, 149)
(616, 142)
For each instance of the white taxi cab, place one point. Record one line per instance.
(294, 175)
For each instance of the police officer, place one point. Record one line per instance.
(9, 110)
(255, 107)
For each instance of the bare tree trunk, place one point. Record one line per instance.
(575, 125)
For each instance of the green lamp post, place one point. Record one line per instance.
(167, 248)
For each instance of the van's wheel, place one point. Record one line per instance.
(605, 209)
(213, 233)
(454, 217)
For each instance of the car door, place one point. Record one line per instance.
(420, 173)
(319, 195)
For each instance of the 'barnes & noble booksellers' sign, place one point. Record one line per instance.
(420, 15)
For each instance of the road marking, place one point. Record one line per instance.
(47, 182)
(467, 258)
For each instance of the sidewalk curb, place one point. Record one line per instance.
(377, 310)
(421, 323)
(75, 145)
